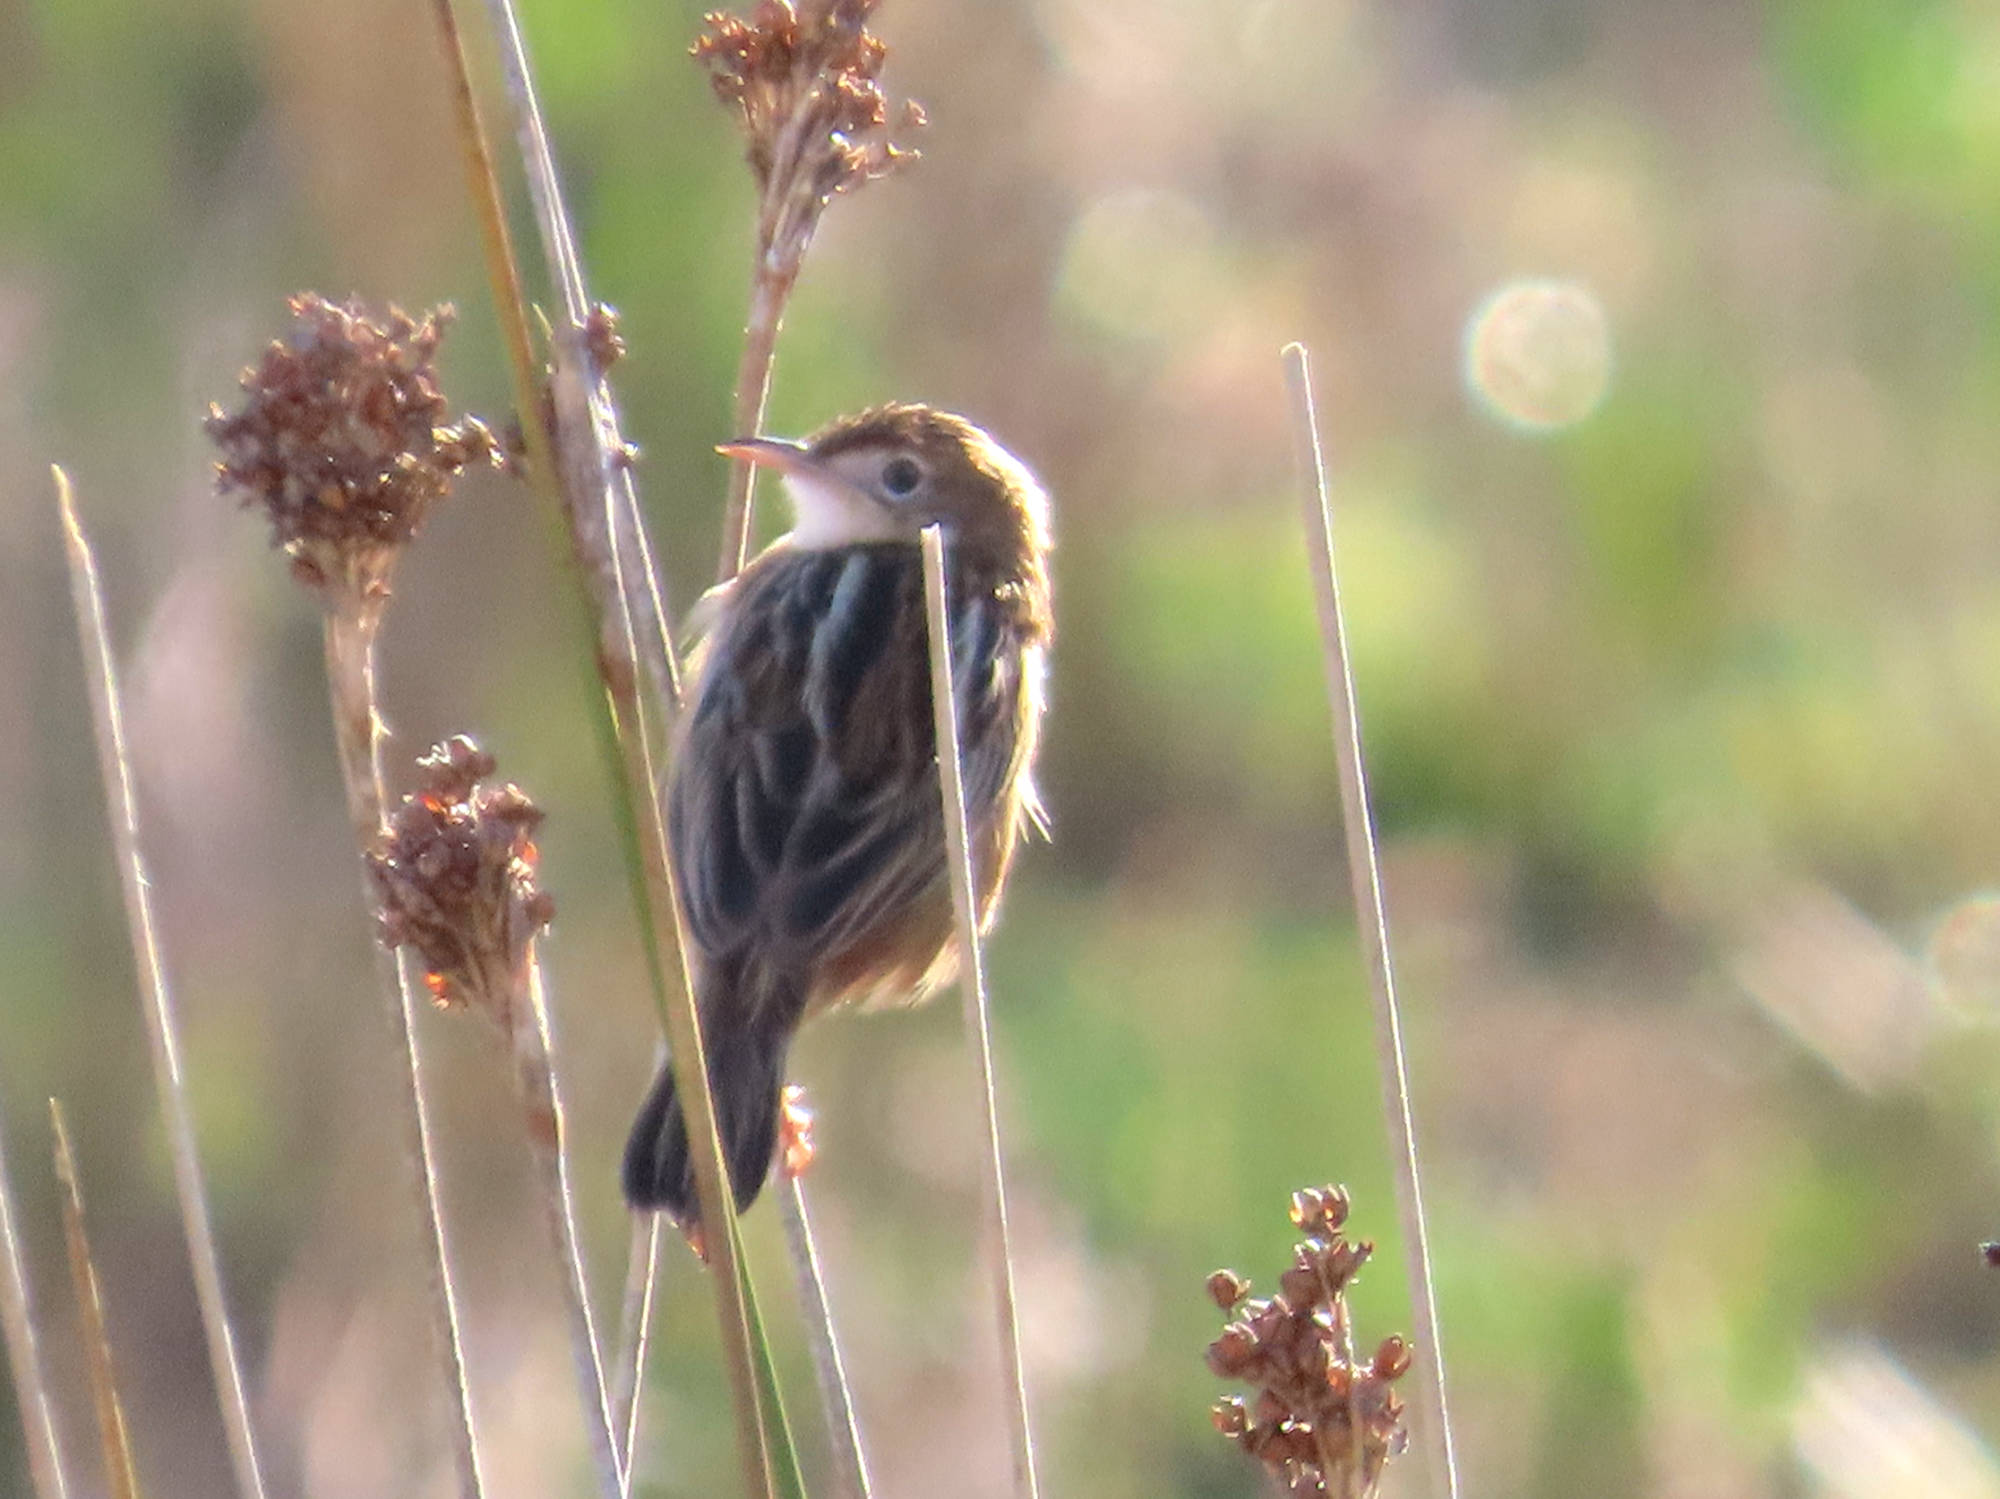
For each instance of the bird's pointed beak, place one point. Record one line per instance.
(777, 453)
(805, 475)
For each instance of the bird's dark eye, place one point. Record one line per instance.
(901, 476)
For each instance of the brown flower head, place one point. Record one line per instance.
(805, 82)
(345, 441)
(455, 869)
(1323, 1421)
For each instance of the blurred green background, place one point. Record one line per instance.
(1658, 349)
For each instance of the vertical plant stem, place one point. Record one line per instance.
(24, 1358)
(357, 732)
(162, 1031)
(609, 540)
(591, 453)
(542, 1113)
(972, 984)
(765, 1447)
(787, 1478)
(120, 1476)
(635, 1332)
(850, 1463)
(769, 292)
(1372, 919)
(572, 469)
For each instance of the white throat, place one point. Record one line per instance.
(829, 514)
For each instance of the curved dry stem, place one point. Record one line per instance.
(24, 1359)
(542, 1113)
(350, 676)
(972, 985)
(1372, 919)
(162, 1031)
(829, 1371)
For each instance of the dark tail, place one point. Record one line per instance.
(746, 1064)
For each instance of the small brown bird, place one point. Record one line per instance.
(804, 816)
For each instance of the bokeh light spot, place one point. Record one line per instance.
(1142, 263)
(1538, 354)
(1965, 955)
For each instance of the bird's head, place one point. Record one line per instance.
(886, 473)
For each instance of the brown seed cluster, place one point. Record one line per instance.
(601, 336)
(346, 441)
(1321, 1422)
(805, 81)
(455, 871)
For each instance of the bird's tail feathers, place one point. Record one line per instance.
(746, 1037)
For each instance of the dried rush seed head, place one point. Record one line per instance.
(805, 82)
(455, 869)
(345, 440)
(1323, 1422)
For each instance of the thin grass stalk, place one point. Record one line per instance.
(830, 1373)
(24, 1358)
(787, 1476)
(596, 461)
(1372, 919)
(609, 461)
(120, 1475)
(768, 295)
(623, 729)
(534, 1073)
(162, 1031)
(635, 1331)
(972, 985)
(357, 731)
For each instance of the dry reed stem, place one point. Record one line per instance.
(503, 273)
(120, 1476)
(595, 460)
(1372, 920)
(542, 1113)
(24, 1359)
(571, 469)
(721, 1243)
(635, 1330)
(161, 1028)
(829, 1372)
(589, 457)
(350, 676)
(972, 985)
(768, 296)
(590, 453)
